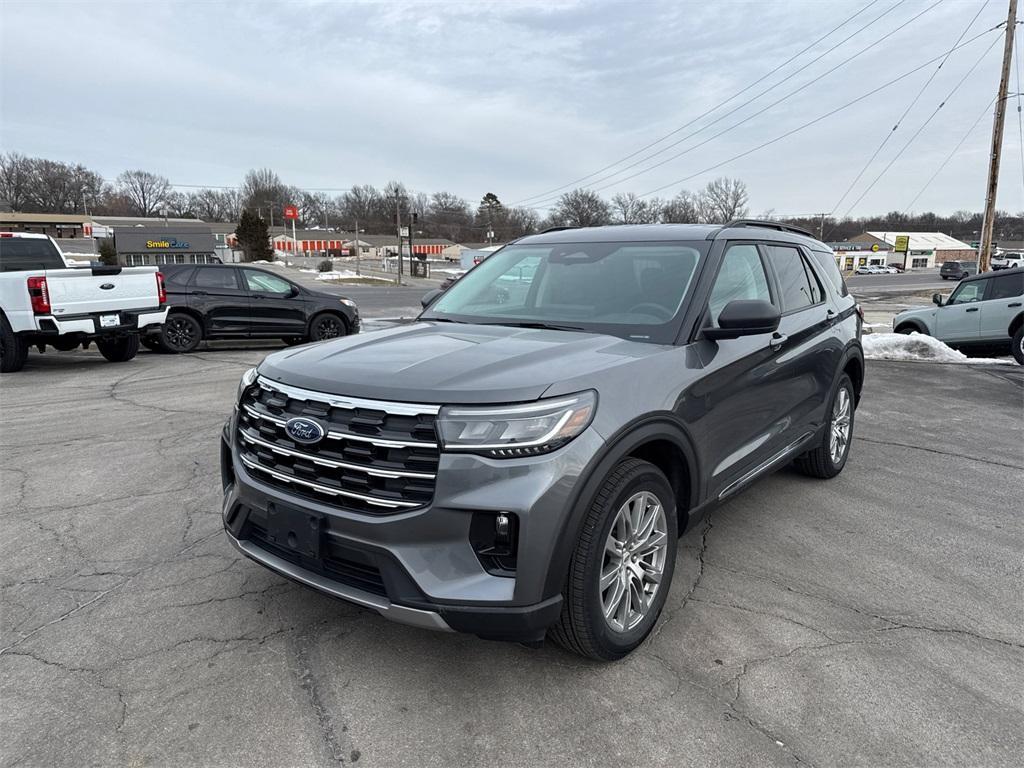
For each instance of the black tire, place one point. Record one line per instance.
(327, 326)
(180, 333)
(13, 349)
(1017, 345)
(119, 350)
(582, 627)
(152, 343)
(291, 341)
(908, 329)
(945, 277)
(819, 462)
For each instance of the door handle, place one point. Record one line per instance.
(777, 340)
(972, 309)
(1015, 304)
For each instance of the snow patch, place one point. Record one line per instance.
(917, 346)
(335, 274)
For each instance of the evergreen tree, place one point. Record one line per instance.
(253, 237)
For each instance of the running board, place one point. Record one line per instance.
(760, 469)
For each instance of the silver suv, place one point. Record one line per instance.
(520, 461)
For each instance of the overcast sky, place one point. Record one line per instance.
(515, 98)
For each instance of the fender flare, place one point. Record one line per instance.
(646, 429)
(920, 326)
(1015, 324)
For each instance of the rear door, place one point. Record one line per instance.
(217, 294)
(1003, 299)
(960, 318)
(277, 307)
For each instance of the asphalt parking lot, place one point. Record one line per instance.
(877, 619)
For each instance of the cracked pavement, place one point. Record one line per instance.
(874, 619)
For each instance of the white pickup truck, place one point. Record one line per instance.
(45, 302)
(1007, 260)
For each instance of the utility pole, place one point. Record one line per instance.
(398, 231)
(821, 225)
(357, 248)
(988, 223)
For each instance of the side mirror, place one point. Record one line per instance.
(293, 292)
(428, 299)
(745, 317)
(937, 299)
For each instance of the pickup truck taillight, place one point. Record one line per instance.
(40, 295)
(161, 292)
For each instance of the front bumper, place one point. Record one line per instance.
(419, 566)
(132, 320)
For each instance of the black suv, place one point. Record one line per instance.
(227, 301)
(521, 459)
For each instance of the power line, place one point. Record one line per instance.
(950, 156)
(818, 119)
(717, 106)
(761, 111)
(906, 112)
(924, 125)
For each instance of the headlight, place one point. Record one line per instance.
(516, 430)
(348, 303)
(246, 381)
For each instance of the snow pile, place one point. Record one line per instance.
(309, 271)
(917, 346)
(335, 274)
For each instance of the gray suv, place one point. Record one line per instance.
(520, 461)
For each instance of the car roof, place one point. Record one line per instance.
(619, 233)
(1000, 273)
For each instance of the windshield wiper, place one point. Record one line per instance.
(442, 320)
(534, 324)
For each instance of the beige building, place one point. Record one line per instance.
(927, 249)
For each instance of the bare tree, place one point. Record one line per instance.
(179, 206)
(144, 190)
(448, 216)
(15, 179)
(681, 209)
(262, 188)
(581, 208)
(216, 205)
(358, 204)
(723, 200)
(629, 208)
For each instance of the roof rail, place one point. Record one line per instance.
(556, 229)
(770, 225)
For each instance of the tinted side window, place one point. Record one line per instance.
(20, 253)
(741, 276)
(1005, 286)
(179, 277)
(214, 277)
(264, 282)
(967, 293)
(797, 283)
(827, 264)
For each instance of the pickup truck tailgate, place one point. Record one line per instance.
(87, 291)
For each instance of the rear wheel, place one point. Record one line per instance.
(829, 457)
(326, 326)
(119, 350)
(621, 569)
(181, 333)
(1017, 345)
(13, 349)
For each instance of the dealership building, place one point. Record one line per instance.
(144, 246)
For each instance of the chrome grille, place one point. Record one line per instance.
(376, 457)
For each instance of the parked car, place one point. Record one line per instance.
(986, 310)
(897, 268)
(870, 269)
(889, 269)
(228, 301)
(45, 302)
(1007, 261)
(958, 270)
(521, 467)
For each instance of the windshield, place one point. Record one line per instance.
(634, 290)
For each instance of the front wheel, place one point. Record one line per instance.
(326, 326)
(181, 333)
(622, 567)
(1018, 345)
(119, 350)
(829, 457)
(13, 349)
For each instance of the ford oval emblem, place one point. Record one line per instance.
(107, 286)
(304, 431)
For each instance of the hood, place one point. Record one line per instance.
(449, 363)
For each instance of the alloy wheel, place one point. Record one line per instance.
(328, 328)
(840, 437)
(179, 333)
(634, 561)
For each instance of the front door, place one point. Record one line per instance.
(217, 294)
(960, 318)
(278, 310)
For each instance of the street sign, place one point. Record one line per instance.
(291, 212)
(902, 243)
(403, 232)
